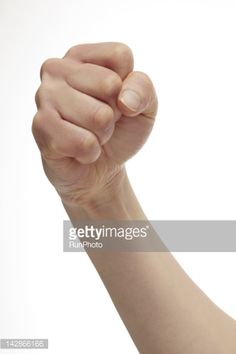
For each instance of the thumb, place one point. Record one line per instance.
(137, 96)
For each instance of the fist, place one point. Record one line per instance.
(94, 113)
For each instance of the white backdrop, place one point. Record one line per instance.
(186, 170)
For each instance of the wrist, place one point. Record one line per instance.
(115, 201)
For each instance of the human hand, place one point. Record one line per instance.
(94, 113)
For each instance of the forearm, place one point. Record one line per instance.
(164, 311)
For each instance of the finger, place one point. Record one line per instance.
(95, 81)
(57, 138)
(85, 111)
(138, 96)
(91, 79)
(113, 55)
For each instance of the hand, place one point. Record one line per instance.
(94, 113)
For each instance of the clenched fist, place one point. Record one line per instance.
(94, 113)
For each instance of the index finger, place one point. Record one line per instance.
(113, 55)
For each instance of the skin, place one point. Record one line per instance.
(86, 130)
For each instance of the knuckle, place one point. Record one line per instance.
(38, 125)
(49, 145)
(89, 144)
(111, 85)
(34, 125)
(38, 96)
(48, 66)
(72, 51)
(103, 117)
(56, 147)
(124, 54)
(52, 148)
(42, 94)
(38, 131)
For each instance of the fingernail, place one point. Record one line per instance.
(131, 100)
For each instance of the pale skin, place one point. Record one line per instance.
(86, 129)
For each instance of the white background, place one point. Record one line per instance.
(186, 170)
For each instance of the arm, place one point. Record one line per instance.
(94, 113)
(163, 310)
